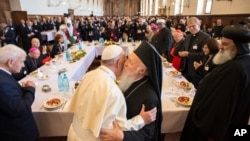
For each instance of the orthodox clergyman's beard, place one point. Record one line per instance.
(125, 81)
(223, 56)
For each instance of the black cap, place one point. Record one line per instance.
(240, 37)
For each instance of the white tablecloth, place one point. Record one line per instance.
(48, 35)
(56, 122)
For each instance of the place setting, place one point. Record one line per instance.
(54, 103)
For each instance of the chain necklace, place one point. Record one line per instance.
(136, 88)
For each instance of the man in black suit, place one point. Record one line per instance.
(163, 40)
(7, 36)
(192, 50)
(16, 120)
(28, 33)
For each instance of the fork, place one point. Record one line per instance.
(64, 103)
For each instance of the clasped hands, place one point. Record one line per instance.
(28, 83)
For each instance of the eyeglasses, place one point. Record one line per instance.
(192, 26)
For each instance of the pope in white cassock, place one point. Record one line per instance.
(98, 101)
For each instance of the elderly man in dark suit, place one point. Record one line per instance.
(163, 39)
(192, 50)
(7, 36)
(16, 120)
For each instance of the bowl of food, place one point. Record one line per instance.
(166, 64)
(53, 103)
(184, 100)
(46, 88)
(185, 85)
(175, 73)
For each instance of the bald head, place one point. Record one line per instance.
(35, 42)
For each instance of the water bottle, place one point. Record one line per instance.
(65, 83)
(80, 45)
(60, 83)
(101, 40)
(131, 40)
(67, 55)
(120, 41)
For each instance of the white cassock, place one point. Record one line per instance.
(98, 102)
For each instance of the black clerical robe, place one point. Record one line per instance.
(222, 100)
(142, 92)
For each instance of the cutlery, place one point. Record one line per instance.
(64, 103)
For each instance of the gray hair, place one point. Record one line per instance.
(193, 20)
(10, 52)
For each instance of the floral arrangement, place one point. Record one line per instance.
(107, 43)
(77, 55)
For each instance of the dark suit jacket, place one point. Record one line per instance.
(163, 42)
(16, 119)
(195, 53)
(135, 97)
(10, 37)
(57, 49)
(26, 38)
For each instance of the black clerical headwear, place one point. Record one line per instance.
(240, 37)
(152, 60)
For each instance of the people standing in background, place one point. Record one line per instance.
(62, 30)
(29, 33)
(176, 60)
(206, 65)
(16, 119)
(181, 25)
(101, 33)
(216, 30)
(149, 33)
(221, 104)
(163, 39)
(37, 30)
(192, 50)
(112, 32)
(91, 30)
(20, 33)
(140, 29)
(12, 27)
(7, 36)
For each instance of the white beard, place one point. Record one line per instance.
(127, 78)
(125, 82)
(223, 56)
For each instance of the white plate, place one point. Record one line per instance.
(185, 85)
(175, 73)
(44, 77)
(184, 100)
(53, 103)
(167, 64)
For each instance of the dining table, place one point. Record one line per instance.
(48, 35)
(56, 121)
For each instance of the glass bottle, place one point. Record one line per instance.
(67, 55)
(60, 83)
(65, 83)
